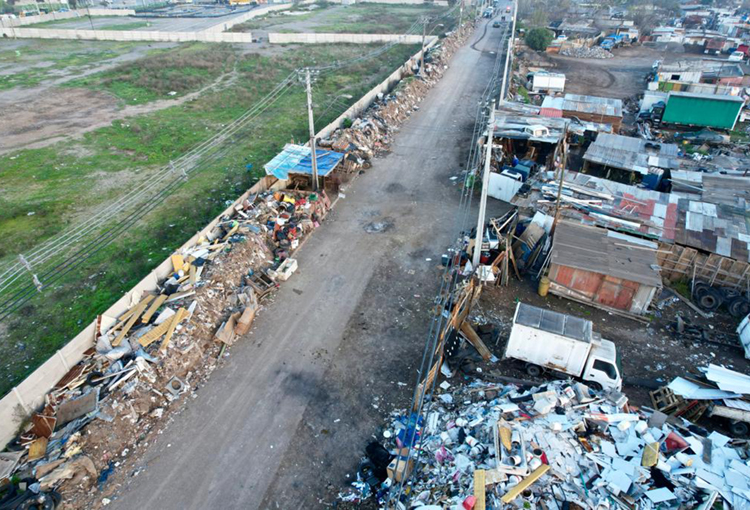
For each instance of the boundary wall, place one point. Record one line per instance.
(279, 38)
(53, 16)
(29, 395)
(127, 35)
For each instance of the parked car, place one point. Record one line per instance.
(496, 24)
(736, 56)
(702, 136)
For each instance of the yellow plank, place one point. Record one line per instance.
(505, 437)
(38, 448)
(474, 340)
(155, 334)
(181, 313)
(154, 306)
(525, 484)
(193, 274)
(124, 317)
(177, 262)
(479, 482)
(650, 455)
(136, 313)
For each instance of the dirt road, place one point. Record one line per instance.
(297, 401)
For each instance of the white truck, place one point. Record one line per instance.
(547, 340)
(542, 81)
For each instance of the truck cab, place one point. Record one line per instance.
(603, 366)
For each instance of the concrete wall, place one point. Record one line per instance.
(125, 35)
(383, 87)
(261, 11)
(29, 394)
(278, 38)
(30, 20)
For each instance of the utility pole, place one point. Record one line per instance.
(460, 14)
(485, 186)
(562, 175)
(501, 98)
(312, 131)
(88, 10)
(424, 34)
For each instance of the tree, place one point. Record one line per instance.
(539, 38)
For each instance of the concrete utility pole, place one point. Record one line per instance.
(313, 155)
(562, 176)
(485, 185)
(509, 52)
(424, 35)
(460, 14)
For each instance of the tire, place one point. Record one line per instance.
(700, 289)
(593, 385)
(739, 428)
(710, 301)
(739, 307)
(533, 370)
(729, 293)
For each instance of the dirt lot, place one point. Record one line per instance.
(618, 77)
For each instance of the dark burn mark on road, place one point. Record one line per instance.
(379, 226)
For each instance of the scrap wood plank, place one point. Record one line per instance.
(139, 309)
(422, 388)
(474, 340)
(154, 306)
(128, 314)
(479, 494)
(156, 333)
(181, 313)
(38, 448)
(525, 484)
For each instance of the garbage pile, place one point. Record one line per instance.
(371, 134)
(592, 52)
(558, 445)
(161, 348)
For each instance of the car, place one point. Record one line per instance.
(702, 136)
(496, 24)
(736, 56)
(507, 9)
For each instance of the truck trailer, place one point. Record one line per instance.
(698, 110)
(556, 342)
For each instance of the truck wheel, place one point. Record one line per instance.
(594, 385)
(533, 370)
(739, 307)
(738, 428)
(710, 301)
(700, 289)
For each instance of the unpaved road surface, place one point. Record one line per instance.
(294, 405)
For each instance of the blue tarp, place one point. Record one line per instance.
(296, 159)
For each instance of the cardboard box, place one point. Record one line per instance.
(400, 468)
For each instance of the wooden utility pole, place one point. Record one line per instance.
(485, 186)
(313, 155)
(424, 35)
(562, 175)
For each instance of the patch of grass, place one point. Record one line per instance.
(58, 22)
(682, 287)
(135, 25)
(182, 70)
(373, 18)
(30, 66)
(524, 94)
(69, 181)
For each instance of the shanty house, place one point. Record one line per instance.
(603, 110)
(606, 269)
(297, 160)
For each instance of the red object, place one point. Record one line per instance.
(543, 458)
(469, 502)
(675, 442)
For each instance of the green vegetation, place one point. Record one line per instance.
(539, 38)
(524, 93)
(369, 18)
(69, 181)
(181, 70)
(133, 25)
(31, 65)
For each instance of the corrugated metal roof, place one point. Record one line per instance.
(630, 153)
(297, 159)
(593, 105)
(592, 249)
(554, 322)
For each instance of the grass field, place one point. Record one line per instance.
(361, 18)
(69, 181)
(28, 66)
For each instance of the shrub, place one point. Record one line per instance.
(539, 38)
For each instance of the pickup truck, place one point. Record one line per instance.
(550, 341)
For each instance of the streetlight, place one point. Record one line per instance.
(424, 35)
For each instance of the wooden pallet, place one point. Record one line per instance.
(665, 400)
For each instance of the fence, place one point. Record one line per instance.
(223, 27)
(30, 393)
(53, 16)
(123, 35)
(279, 38)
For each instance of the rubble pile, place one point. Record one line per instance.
(592, 52)
(105, 408)
(371, 134)
(557, 445)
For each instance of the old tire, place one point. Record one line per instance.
(739, 307)
(533, 370)
(739, 428)
(594, 385)
(710, 301)
(700, 289)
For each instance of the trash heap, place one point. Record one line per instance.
(554, 446)
(592, 52)
(165, 344)
(371, 134)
